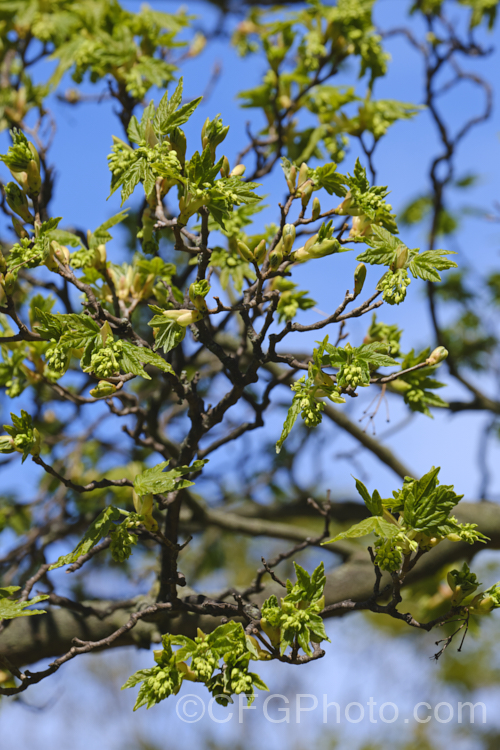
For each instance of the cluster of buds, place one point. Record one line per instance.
(462, 583)
(388, 557)
(23, 161)
(257, 255)
(122, 540)
(212, 134)
(25, 167)
(104, 362)
(393, 285)
(57, 357)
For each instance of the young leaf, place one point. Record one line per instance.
(157, 480)
(291, 418)
(9, 608)
(375, 524)
(96, 531)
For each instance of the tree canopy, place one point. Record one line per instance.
(139, 376)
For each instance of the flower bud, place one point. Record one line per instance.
(238, 171)
(225, 170)
(359, 278)
(17, 201)
(316, 209)
(260, 252)
(437, 356)
(245, 251)
(288, 236)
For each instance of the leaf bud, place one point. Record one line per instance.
(316, 209)
(276, 256)
(359, 278)
(19, 229)
(178, 143)
(150, 135)
(3, 264)
(225, 170)
(238, 170)
(482, 604)
(103, 389)
(260, 252)
(183, 317)
(303, 172)
(34, 181)
(401, 259)
(61, 252)
(288, 236)
(437, 356)
(17, 201)
(245, 251)
(9, 283)
(306, 191)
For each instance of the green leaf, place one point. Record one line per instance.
(170, 114)
(375, 524)
(134, 130)
(96, 531)
(10, 609)
(134, 357)
(383, 247)
(258, 682)
(428, 505)
(65, 238)
(374, 504)
(291, 418)
(157, 480)
(168, 333)
(326, 177)
(427, 264)
(130, 180)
